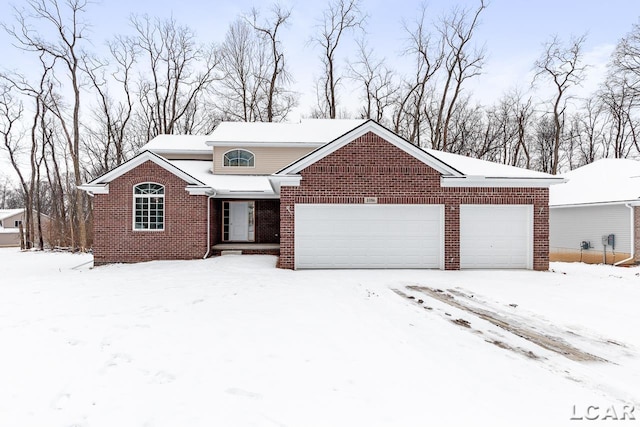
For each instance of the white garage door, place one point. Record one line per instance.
(496, 236)
(368, 236)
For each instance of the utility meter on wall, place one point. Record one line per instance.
(609, 240)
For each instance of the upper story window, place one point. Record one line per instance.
(242, 158)
(148, 200)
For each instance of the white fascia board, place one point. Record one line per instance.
(370, 126)
(584, 205)
(199, 190)
(222, 194)
(478, 181)
(264, 144)
(95, 189)
(140, 159)
(278, 181)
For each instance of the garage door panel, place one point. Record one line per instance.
(496, 236)
(368, 236)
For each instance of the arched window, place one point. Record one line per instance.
(238, 157)
(148, 201)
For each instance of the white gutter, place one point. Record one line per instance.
(579, 205)
(94, 188)
(278, 181)
(631, 234)
(501, 182)
(209, 224)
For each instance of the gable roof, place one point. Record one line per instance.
(7, 213)
(604, 181)
(358, 131)
(456, 170)
(470, 166)
(100, 185)
(307, 132)
(168, 144)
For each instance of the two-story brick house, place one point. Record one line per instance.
(320, 194)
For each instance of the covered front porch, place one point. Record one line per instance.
(245, 226)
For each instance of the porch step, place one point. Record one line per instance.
(246, 249)
(230, 252)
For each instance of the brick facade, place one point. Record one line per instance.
(369, 166)
(185, 229)
(267, 219)
(185, 223)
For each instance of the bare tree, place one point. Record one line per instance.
(377, 82)
(461, 63)
(245, 67)
(562, 66)
(339, 17)
(64, 50)
(11, 113)
(509, 121)
(176, 74)
(108, 140)
(411, 105)
(619, 102)
(626, 60)
(278, 97)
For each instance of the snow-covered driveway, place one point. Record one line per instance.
(233, 341)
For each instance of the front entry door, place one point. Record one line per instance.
(239, 221)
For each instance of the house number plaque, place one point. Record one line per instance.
(371, 200)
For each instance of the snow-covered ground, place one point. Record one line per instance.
(233, 341)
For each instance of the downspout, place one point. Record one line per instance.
(209, 224)
(633, 236)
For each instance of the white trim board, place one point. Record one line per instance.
(100, 185)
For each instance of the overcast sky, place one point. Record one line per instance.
(512, 32)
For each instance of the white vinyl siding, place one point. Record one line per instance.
(570, 226)
(368, 236)
(12, 221)
(9, 239)
(496, 236)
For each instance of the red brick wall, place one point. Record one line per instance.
(185, 233)
(370, 166)
(267, 219)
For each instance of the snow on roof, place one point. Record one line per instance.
(6, 213)
(603, 181)
(311, 131)
(476, 167)
(224, 184)
(177, 143)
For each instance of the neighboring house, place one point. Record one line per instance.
(10, 220)
(599, 200)
(321, 194)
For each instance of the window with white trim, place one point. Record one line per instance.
(239, 157)
(148, 200)
(17, 223)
